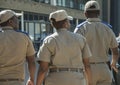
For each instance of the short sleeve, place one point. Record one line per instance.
(86, 50)
(80, 30)
(46, 50)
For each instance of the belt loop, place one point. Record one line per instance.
(6, 80)
(57, 70)
(78, 70)
(69, 69)
(97, 63)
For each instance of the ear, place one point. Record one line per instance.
(10, 21)
(65, 24)
(86, 14)
(52, 24)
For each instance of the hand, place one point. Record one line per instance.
(90, 84)
(30, 82)
(113, 66)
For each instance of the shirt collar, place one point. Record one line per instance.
(7, 28)
(93, 20)
(62, 29)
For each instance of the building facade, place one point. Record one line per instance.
(110, 14)
(115, 18)
(35, 13)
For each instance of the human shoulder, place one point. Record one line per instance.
(50, 38)
(78, 36)
(107, 27)
(22, 32)
(81, 24)
(107, 24)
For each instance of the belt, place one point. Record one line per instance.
(65, 69)
(97, 62)
(4, 80)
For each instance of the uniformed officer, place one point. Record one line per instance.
(100, 38)
(117, 75)
(15, 49)
(65, 54)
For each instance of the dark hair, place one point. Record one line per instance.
(93, 11)
(93, 6)
(58, 24)
(6, 22)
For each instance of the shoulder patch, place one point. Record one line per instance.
(107, 24)
(78, 26)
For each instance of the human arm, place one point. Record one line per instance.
(115, 55)
(88, 72)
(45, 52)
(43, 69)
(31, 68)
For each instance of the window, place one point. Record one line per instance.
(26, 17)
(37, 31)
(63, 3)
(37, 27)
(59, 2)
(42, 1)
(46, 18)
(76, 4)
(31, 31)
(47, 1)
(67, 3)
(30, 17)
(36, 17)
(71, 3)
(40, 17)
(26, 27)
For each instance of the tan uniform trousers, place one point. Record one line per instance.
(65, 78)
(12, 83)
(101, 74)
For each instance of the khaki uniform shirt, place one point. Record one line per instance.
(99, 38)
(14, 47)
(64, 49)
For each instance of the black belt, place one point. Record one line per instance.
(65, 69)
(4, 80)
(97, 62)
